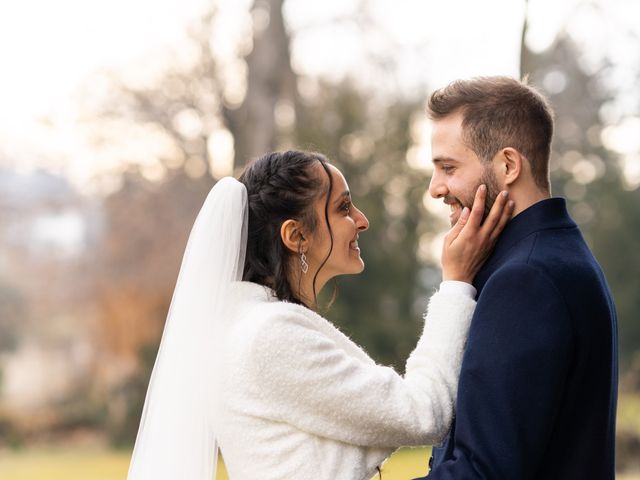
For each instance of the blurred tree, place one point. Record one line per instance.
(271, 84)
(13, 310)
(183, 106)
(192, 101)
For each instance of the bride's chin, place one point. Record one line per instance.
(353, 270)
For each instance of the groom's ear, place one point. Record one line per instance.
(292, 236)
(509, 164)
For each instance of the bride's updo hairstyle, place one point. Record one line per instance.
(281, 186)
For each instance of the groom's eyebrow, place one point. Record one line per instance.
(436, 160)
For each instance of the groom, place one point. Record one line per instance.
(538, 387)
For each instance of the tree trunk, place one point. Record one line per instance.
(525, 53)
(270, 79)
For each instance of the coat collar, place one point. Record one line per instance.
(546, 214)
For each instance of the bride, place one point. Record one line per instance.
(247, 366)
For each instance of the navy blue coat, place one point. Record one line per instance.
(538, 386)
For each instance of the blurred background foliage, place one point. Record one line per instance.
(102, 312)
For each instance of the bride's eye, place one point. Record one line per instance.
(346, 207)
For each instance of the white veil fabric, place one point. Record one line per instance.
(176, 437)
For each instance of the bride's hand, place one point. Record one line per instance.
(469, 243)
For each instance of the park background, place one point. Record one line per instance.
(117, 117)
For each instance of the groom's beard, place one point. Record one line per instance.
(466, 199)
(493, 190)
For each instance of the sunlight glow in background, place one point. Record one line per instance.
(51, 52)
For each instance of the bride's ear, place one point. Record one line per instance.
(292, 236)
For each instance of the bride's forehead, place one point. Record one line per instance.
(339, 182)
(337, 178)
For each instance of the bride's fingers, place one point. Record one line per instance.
(477, 209)
(496, 213)
(457, 228)
(473, 225)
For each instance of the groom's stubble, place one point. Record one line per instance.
(489, 179)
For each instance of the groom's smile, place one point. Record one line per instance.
(456, 208)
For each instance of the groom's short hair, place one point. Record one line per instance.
(500, 112)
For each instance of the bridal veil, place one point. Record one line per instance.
(176, 438)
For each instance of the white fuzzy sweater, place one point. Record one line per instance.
(300, 400)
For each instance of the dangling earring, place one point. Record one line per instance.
(303, 258)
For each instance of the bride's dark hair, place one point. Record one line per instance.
(281, 186)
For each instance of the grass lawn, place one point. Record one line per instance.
(628, 417)
(63, 465)
(112, 465)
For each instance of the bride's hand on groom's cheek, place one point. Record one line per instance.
(470, 241)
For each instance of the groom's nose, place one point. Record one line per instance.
(437, 186)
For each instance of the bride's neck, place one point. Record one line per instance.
(302, 287)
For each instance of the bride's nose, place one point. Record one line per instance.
(362, 223)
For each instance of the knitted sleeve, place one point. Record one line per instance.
(306, 379)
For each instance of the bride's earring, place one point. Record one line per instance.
(303, 258)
